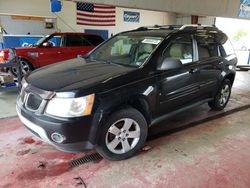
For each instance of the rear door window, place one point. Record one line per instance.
(207, 47)
(76, 40)
(94, 39)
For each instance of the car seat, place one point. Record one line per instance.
(144, 51)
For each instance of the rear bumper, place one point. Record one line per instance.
(77, 133)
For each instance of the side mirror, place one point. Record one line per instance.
(170, 64)
(47, 44)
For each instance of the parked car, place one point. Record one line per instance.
(52, 49)
(131, 82)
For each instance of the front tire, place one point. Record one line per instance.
(25, 68)
(222, 96)
(123, 135)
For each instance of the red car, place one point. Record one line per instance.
(52, 49)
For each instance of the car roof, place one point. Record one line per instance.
(165, 30)
(62, 33)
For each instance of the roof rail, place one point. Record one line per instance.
(171, 27)
(192, 27)
(188, 27)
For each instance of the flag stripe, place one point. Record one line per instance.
(92, 20)
(107, 12)
(95, 24)
(95, 15)
(104, 7)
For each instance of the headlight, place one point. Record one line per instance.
(70, 107)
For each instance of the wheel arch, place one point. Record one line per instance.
(141, 104)
(138, 102)
(230, 77)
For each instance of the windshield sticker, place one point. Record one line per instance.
(151, 41)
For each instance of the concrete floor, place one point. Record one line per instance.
(7, 104)
(206, 149)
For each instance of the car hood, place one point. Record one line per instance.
(75, 74)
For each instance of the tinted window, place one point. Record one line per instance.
(94, 39)
(180, 48)
(207, 50)
(207, 47)
(76, 40)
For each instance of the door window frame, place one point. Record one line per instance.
(194, 47)
(197, 49)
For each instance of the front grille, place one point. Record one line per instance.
(34, 99)
(33, 102)
(22, 96)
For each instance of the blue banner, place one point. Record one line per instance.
(14, 41)
(244, 11)
(131, 16)
(19, 41)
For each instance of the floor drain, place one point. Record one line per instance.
(88, 158)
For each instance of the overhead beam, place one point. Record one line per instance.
(220, 8)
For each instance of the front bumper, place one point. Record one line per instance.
(80, 133)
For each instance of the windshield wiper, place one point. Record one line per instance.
(105, 61)
(112, 63)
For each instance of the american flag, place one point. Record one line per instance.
(95, 15)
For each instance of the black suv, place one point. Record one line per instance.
(109, 99)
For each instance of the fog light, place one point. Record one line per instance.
(58, 138)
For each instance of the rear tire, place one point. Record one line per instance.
(123, 135)
(222, 96)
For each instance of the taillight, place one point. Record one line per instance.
(4, 55)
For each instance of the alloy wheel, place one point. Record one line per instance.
(25, 67)
(224, 94)
(123, 136)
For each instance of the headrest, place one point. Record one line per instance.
(176, 51)
(146, 48)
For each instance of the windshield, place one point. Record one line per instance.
(126, 50)
(40, 41)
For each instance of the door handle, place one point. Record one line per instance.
(195, 70)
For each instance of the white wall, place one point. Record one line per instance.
(223, 8)
(26, 7)
(22, 27)
(39, 8)
(186, 19)
(147, 18)
(66, 20)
